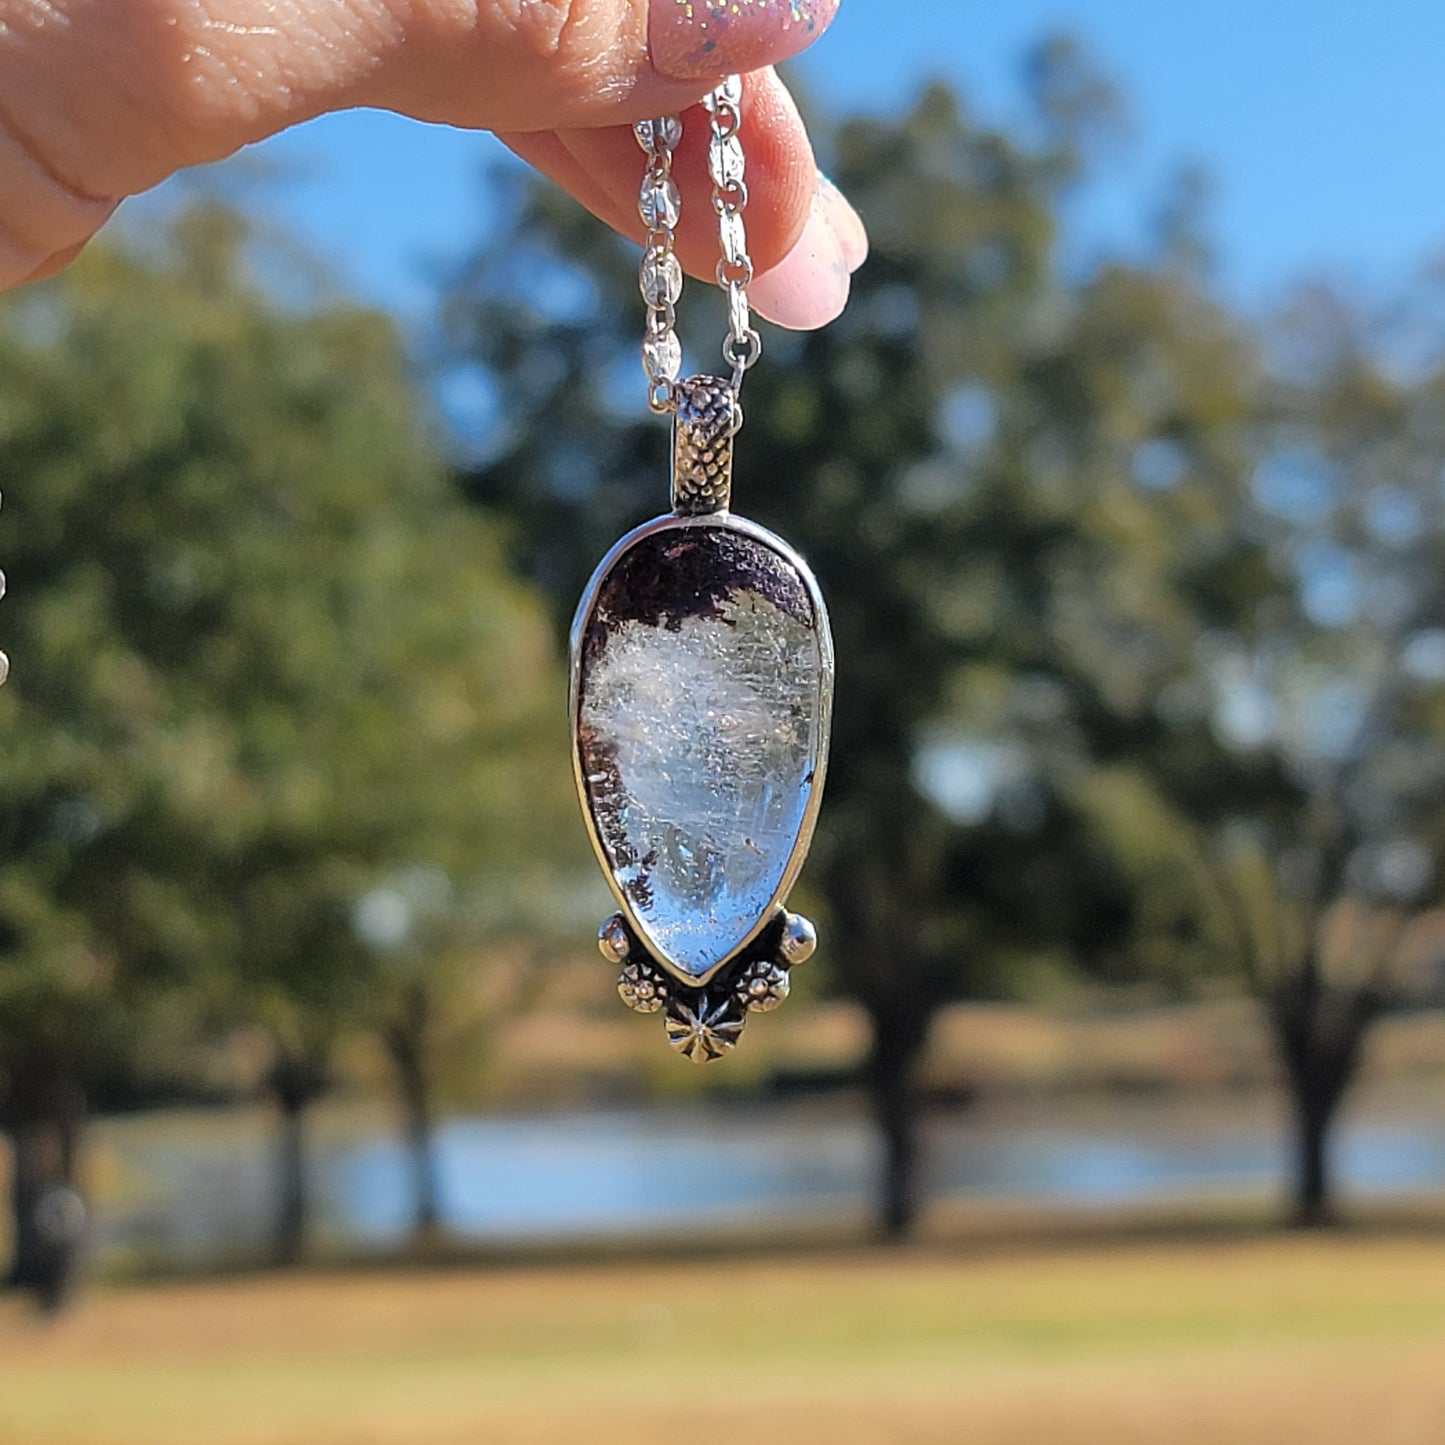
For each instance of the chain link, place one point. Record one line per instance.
(660, 277)
(725, 164)
(659, 204)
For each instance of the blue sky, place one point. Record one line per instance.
(1322, 123)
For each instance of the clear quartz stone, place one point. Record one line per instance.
(699, 730)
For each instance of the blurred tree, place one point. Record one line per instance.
(1344, 683)
(1010, 485)
(1325, 693)
(263, 659)
(436, 1007)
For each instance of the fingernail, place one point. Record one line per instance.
(847, 224)
(808, 288)
(693, 39)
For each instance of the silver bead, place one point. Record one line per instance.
(799, 939)
(728, 91)
(725, 162)
(662, 356)
(659, 202)
(733, 238)
(660, 278)
(661, 133)
(612, 940)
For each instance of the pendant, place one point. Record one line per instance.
(701, 692)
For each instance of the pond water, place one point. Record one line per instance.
(197, 1187)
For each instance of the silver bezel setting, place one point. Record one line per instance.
(725, 521)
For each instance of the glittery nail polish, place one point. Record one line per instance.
(693, 39)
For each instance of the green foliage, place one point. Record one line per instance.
(1065, 583)
(960, 457)
(261, 657)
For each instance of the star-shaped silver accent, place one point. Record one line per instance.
(704, 1028)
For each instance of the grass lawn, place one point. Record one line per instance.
(1331, 1340)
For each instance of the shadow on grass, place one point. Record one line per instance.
(953, 1232)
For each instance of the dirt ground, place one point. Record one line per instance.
(1244, 1339)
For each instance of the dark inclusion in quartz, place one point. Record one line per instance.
(699, 728)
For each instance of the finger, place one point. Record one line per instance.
(705, 39)
(781, 176)
(40, 217)
(847, 224)
(809, 287)
(544, 152)
(804, 237)
(586, 63)
(118, 95)
(53, 266)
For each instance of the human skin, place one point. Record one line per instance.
(102, 99)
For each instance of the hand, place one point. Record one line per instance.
(102, 99)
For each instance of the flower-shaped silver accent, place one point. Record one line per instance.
(762, 985)
(704, 1026)
(642, 987)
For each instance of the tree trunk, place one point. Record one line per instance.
(427, 1214)
(406, 1042)
(27, 1184)
(1313, 1192)
(1320, 1032)
(48, 1212)
(898, 1039)
(289, 1243)
(297, 1082)
(899, 982)
(895, 1110)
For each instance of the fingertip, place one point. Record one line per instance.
(846, 223)
(803, 237)
(56, 264)
(809, 287)
(782, 174)
(548, 152)
(695, 39)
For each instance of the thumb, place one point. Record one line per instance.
(101, 101)
(537, 65)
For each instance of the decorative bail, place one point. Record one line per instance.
(702, 445)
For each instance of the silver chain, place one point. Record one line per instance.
(743, 345)
(659, 203)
